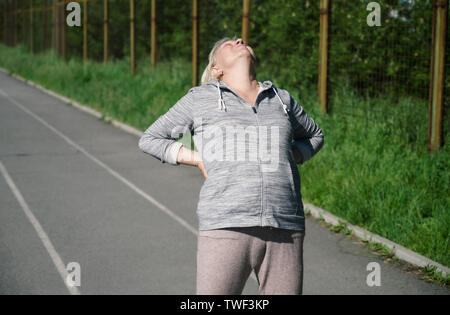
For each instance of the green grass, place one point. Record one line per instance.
(383, 250)
(341, 228)
(112, 90)
(381, 177)
(432, 275)
(370, 173)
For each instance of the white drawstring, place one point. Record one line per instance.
(282, 104)
(221, 102)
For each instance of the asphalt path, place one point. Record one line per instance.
(74, 189)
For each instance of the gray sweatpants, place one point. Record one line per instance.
(226, 257)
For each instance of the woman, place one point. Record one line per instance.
(250, 210)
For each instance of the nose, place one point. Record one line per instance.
(239, 41)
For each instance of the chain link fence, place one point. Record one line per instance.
(380, 74)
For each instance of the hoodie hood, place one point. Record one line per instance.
(266, 85)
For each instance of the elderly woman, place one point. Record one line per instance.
(250, 136)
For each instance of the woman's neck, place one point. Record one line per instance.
(242, 85)
(240, 78)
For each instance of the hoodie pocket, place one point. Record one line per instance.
(296, 187)
(280, 190)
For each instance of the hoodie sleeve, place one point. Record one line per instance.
(308, 137)
(159, 140)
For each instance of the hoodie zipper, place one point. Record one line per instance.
(260, 169)
(259, 160)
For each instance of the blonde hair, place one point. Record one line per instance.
(206, 76)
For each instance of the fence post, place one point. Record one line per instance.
(31, 28)
(323, 54)
(194, 42)
(58, 26)
(61, 28)
(5, 20)
(44, 27)
(64, 29)
(55, 25)
(85, 21)
(52, 29)
(15, 23)
(105, 31)
(132, 42)
(153, 34)
(24, 23)
(245, 17)
(437, 77)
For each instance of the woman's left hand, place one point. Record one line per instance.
(297, 155)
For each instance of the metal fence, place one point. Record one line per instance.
(388, 65)
(395, 69)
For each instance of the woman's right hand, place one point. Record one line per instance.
(202, 168)
(189, 157)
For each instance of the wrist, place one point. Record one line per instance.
(198, 159)
(195, 158)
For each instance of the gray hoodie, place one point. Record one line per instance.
(253, 179)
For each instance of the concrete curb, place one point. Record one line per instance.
(399, 251)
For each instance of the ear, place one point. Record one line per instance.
(216, 72)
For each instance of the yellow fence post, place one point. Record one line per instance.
(132, 43)
(85, 21)
(31, 28)
(15, 23)
(56, 30)
(245, 18)
(194, 42)
(52, 25)
(58, 25)
(440, 8)
(323, 54)
(153, 34)
(105, 31)
(64, 29)
(5, 21)
(61, 28)
(44, 26)
(24, 21)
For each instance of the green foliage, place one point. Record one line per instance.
(341, 228)
(284, 35)
(372, 176)
(436, 276)
(395, 55)
(383, 250)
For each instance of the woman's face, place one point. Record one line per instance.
(230, 51)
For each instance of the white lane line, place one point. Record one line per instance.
(59, 264)
(159, 205)
(106, 167)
